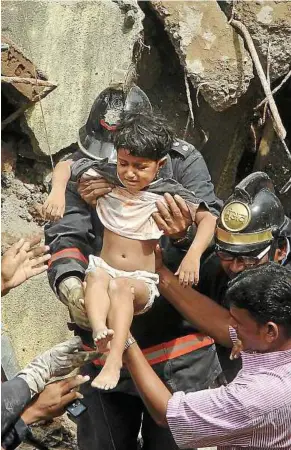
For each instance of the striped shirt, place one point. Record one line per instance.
(253, 412)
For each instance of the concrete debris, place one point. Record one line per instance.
(78, 44)
(268, 21)
(17, 70)
(212, 54)
(277, 122)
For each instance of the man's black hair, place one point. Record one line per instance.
(265, 292)
(144, 135)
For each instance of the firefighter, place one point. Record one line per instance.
(182, 357)
(252, 229)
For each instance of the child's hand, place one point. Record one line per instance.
(189, 270)
(54, 207)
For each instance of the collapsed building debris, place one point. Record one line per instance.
(22, 82)
(213, 56)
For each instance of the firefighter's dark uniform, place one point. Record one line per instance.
(253, 199)
(182, 357)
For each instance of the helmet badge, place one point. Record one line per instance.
(112, 116)
(236, 216)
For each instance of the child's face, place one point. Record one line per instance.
(135, 172)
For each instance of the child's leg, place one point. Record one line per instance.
(97, 305)
(122, 305)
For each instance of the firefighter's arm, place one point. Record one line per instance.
(54, 206)
(198, 309)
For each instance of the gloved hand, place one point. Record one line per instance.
(58, 361)
(71, 293)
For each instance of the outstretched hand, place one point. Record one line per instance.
(60, 360)
(53, 400)
(21, 261)
(173, 219)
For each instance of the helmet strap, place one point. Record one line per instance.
(274, 245)
(273, 249)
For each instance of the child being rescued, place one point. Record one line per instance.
(122, 282)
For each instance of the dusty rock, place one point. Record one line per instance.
(213, 55)
(34, 319)
(268, 21)
(8, 157)
(60, 434)
(78, 45)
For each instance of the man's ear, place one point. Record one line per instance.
(162, 162)
(280, 254)
(272, 332)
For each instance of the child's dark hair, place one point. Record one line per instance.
(265, 291)
(144, 135)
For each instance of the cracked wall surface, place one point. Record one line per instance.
(78, 44)
(211, 52)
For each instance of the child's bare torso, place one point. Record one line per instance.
(128, 254)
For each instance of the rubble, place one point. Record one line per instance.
(212, 54)
(78, 45)
(267, 22)
(19, 71)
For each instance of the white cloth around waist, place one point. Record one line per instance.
(151, 279)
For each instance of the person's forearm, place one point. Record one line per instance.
(152, 390)
(204, 234)
(198, 309)
(61, 176)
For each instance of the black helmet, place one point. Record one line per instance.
(252, 217)
(95, 138)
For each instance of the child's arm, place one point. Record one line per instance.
(189, 268)
(54, 207)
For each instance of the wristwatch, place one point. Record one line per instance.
(129, 342)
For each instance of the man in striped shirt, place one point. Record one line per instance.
(254, 411)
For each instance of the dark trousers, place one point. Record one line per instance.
(113, 419)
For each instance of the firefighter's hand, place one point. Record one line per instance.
(58, 361)
(91, 190)
(21, 261)
(188, 270)
(53, 400)
(72, 294)
(173, 219)
(54, 206)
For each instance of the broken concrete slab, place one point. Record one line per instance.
(268, 22)
(212, 53)
(33, 319)
(78, 44)
(19, 72)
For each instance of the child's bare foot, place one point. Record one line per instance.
(101, 338)
(108, 377)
